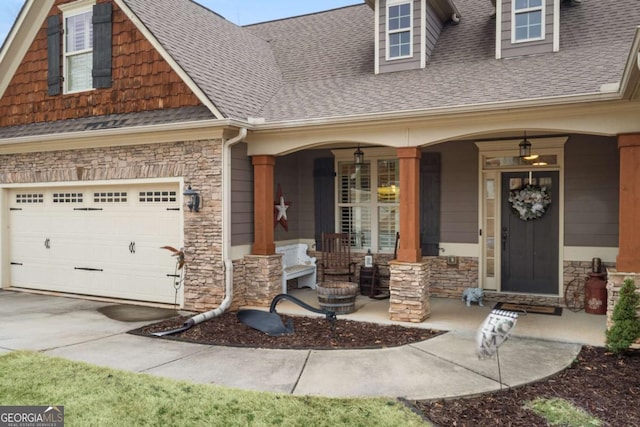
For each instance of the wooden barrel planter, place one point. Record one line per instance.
(339, 297)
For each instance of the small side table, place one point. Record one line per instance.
(369, 280)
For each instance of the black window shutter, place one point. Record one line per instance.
(324, 193)
(430, 204)
(102, 34)
(54, 54)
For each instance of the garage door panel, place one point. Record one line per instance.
(114, 282)
(117, 232)
(28, 275)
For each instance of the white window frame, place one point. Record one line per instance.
(70, 10)
(394, 3)
(372, 157)
(514, 13)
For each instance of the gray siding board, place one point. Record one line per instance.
(526, 48)
(286, 175)
(241, 196)
(583, 240)
(459, 192)
(591, 191)
(398, 65)
(432, 32)
(306, 227)
(294, 173)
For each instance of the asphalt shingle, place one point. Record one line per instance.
(233, 67)
(322, 65)
(111, 121)
(595, 40)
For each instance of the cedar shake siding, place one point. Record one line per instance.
(141, 81)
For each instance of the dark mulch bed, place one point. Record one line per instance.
(603, 384)
(309, 333)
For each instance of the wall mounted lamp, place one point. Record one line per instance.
(193, 199)
(358, 156)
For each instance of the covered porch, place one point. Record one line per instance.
(449, 314)
(590, 171)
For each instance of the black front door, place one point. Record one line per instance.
(530, 248)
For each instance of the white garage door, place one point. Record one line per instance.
(100, 241)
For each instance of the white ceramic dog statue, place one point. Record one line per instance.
(470, 295)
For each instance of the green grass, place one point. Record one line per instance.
(96, 396)
(559, 412)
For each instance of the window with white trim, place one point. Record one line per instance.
(528, 20)
(78, 48)
(399, 29)
(369, 203)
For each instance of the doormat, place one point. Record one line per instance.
(527, 308)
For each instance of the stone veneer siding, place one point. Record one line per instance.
(198, 162)
(614, 284)
(449, 281)
(263, 275)
(141, 80)
(409, 289)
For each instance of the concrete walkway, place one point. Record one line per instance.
(444, 366)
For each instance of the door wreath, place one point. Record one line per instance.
(530, 201)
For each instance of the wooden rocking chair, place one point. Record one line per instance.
(336, 258)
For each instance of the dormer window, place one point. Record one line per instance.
(527, 20)
(399, 29)
(78, 49)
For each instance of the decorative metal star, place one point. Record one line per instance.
(280, 213)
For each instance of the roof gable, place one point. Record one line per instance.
(20, 37)
(234, 68)
(141, 79)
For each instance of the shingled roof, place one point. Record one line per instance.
(233, 67)
(321, 65)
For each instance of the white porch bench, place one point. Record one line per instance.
(296, 264)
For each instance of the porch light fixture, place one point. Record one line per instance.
(358, 156)
(193, 199)
(525, 149)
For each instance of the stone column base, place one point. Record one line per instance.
(409, 289)
(614, 283)
(263, 279)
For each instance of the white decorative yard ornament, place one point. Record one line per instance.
(495, 330)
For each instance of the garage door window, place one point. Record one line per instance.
(110, 197)
(67, 197)
(158, 196)
(29, 198)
